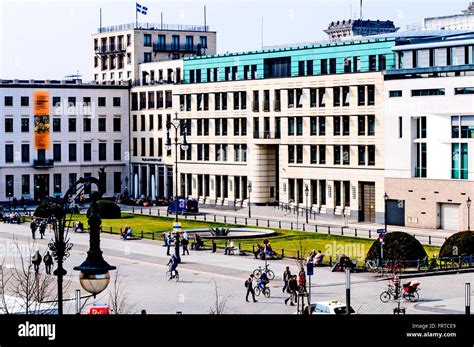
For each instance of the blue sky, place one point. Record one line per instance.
(52, 39)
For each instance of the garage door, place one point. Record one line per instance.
(449, 216)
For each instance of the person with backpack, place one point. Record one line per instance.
(292, 290)
(250, 290)
(36, 261)
(286, 278)
(48, 262)
(42, 228)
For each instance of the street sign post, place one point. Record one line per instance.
(309, 272)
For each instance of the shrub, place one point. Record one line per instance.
(46, 210)
(398, 246)
(108, 209)
(461, 243)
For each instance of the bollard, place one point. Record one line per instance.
(304, 227)
(291, 225)
(133, 209)
(142, 234)
(283, 253)
(429, 239)
(268, 223)
(141, 210)
(214, 218)
(225, 219)
(240, 246)
(121, 231)
(330, 260)
(329, 230)
(111, 230)
(315, 228)
(245, 220)
(355, 232)
(185, 216)
(279, 224)
(167, 213)
(342, 231)
(214, 247)
(235, 220)
(257, 221)
(253, 249)
(204, 217)
(153, 236)
(195, 217)
(297, 254)
(370, 234)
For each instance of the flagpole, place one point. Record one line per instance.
(136, 16)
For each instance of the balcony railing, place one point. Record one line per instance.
(153, 26)
(160, 47)
(43, 163)
(115, 48)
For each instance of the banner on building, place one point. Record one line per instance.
(42, 124)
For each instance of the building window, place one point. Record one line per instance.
(117, 123)
(459, 161)
(56, 125)
(8, 125)
(291, 154)
(361, 159)
(421, 158)
(400, 127)
(102, 124)
(25, 184)
(299, 126)
(25, 101)
(151, 147)
(299, 154)
(360, 95)
(337, 125)
(395, 94)
(428, 92)
(8, 101)
(117, 182)
(371, 95)
(361, 125)
(72, 152)
(371, 125)
(346, 126)
(332, 66)
(337, 155)
(87, 152)
(72, 124)
(322, 154)
(314, 152)
(117, 151)
(57, 152)
(25, 153)
(372, 63)
(147, 40)
(321, 125)
(346, 155)
(371, 150)
(102, 102)
(147, 57)
(71, 101)
(9, 186)
(322, 97)
(116, 101)
(313, 126)
(291, 126)
(9, 153)
(313, 97)
(464, 91)
(102, 151)
(421, 127)
(57, 184)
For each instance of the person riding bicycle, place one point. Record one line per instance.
(173, 264)
(396, 284)
(263, 281)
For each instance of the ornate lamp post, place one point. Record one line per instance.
(94, 276)
(468, 203)
(306, 192)
(176, 125)
(249, 188)
(385, 198)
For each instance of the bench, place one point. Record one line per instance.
(232, 251)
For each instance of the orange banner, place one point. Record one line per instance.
(42, 124)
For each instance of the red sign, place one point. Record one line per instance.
(98, 310)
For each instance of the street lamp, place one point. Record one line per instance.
(468, 203)
(249, 188)
(9, 184)
(306, 192)
(385, 197)
(176, 125)
(94, 276)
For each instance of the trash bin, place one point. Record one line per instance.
(214, 247)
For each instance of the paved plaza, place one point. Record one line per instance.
(142, 266)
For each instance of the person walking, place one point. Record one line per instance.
(302, 280)
(292, 290)
(185, 242)
(250, 290)
(48, 262)
(169, 244)
(36, 261)
(286, 278)
(33, 227)
(42, 228)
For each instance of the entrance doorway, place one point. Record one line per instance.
(41, 191)
(367, 205)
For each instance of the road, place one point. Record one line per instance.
(142, 266)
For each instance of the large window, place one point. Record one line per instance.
(277, 67)
(428, 92)
(459, 161)
(462, 127)
(9, 153)
(421, 160)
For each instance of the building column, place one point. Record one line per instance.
(330, 197)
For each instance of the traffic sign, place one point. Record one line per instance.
(103, 309)
(309, 268)
(381, 237)
(381, 231)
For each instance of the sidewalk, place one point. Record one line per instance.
(272, 217)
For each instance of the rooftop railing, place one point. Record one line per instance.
(153, 26)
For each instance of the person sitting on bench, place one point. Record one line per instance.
(230, 249)
(198, 242)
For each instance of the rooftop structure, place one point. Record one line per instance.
(341, 30)
(462, 21)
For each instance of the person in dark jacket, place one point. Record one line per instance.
(33, 227)
(286, 278)
(36, 261)
(48, 262)
(250, 290)
(292, 290)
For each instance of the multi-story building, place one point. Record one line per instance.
(119, 50)
(349, 29)
(464, 21)
(81, 128)
(429, 109)
(287, 119)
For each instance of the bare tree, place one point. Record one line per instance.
(118, 295)
(23, 288)
(220, 302)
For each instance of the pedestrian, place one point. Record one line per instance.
(169, 244)
(292, 290)
(33, 227)
(185, 243)
(42, 228)
(48, 262)
(302, 280)
(250, 290)
(286, 278)
(36, 261)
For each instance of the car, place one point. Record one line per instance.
(330, 307)
(184, 206)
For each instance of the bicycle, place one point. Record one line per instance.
(264, 290)
(258, 272)
(170, 276)
(429, 265)
(371, 266)
(390, 293)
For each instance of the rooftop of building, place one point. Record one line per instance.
(154, 26)
(72, 83)
(362, 23)
(298, 46)
(468, 12)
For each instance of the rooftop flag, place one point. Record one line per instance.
(141, 9)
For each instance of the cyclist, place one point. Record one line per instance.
(173, 264)
(396, 284)
(263, 281)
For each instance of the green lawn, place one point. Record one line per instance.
(290, 241)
